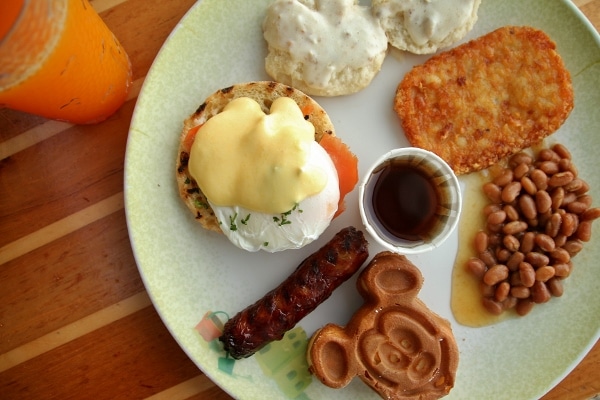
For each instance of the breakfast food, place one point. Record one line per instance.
(424, 26)
(538, 218)
(324, 48)
(308, 286)
(394, 343)
(260, 162)
(486, 99)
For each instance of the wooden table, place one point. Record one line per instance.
(75, 319)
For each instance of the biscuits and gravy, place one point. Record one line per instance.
(424, 26)
(324, 48)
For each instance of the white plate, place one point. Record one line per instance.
(189, 271)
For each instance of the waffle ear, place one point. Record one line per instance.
(380, 283)
(332, 356)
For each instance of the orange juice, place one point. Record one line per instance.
(59, 60)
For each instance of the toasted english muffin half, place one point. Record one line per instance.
(264, 93)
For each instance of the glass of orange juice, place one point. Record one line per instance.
(59, 60)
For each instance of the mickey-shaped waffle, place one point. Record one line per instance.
(394, 343)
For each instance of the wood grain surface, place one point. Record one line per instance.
(75, 319)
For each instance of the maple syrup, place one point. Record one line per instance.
(405, 201)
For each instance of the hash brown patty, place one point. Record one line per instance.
(486, 99)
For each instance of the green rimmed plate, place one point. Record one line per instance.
(191, 273)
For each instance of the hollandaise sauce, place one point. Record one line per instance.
(244, 157)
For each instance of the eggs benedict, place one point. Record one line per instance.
(251, 166)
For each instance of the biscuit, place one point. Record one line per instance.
(264, 92)
(424, 26)
(393, 343)
(327, 48)
(486, 99)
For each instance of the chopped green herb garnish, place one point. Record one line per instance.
(200, 204)
(232, 225)
(280, 221)
(245, 220)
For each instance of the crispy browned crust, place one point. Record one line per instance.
(486, 99)
(264, 92)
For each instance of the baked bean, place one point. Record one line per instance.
(544, 242)
(492, 306)
(577, 207)
(515, 278)
(540, 179)
(528, 185)
(548, 155)
(561, 179)
(569, 224)
(543, 202)
(557, 196)
(510, 192)
(502, 291)
(562, 151)
(543, 274)
(511, 243)
(511, 212)
(537, 259)
(520, 292)
(585, 199)
(590, 214)
(476, 267)
(524, 306)
(487, 290)
(549, 167)
(585, 187)
(509, 302)
(562, 270)
(555, 287)
(560, 255)
(514, 227)
(504, 178)
(553, 225)
(494, 239)
(573, 247)
(560, 240)
(537, 220)
(569, 198)
(493, 192)
(527, 206)
(514, 260)
(520, 158)
(497, 217)
(481, 241)
(527, 274)
(573, 186)
(490, 208)
(584, 231)
(495, 274)
(521, 171)
(527, 242)
(567, 165)
(495, 228)
(544, 218)
(502, 255)
(488, 258)
(540, 292)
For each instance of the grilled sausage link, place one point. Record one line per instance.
(308, 286)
